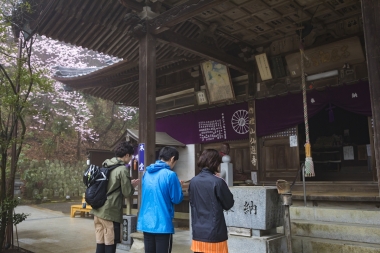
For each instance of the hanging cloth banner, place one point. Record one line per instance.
(282, 112)
(218, 124)
(273, 115)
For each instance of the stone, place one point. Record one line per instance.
(45, 192)
(226, 159)
(35, 192)
(226, 172)
(128, 227)
(138, 243)
(256, 207)
(266, 244)
(60, 192)
(123, 247)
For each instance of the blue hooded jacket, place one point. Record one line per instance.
(161, 189)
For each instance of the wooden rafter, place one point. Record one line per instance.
(204, 51)
(180, 13)
(131, 4)
(118, 78)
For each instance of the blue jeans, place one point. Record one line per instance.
(158, 243)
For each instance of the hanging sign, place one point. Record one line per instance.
(141, 156)
(327, 57)
(252, 134)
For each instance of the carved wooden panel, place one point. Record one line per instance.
(327, 57)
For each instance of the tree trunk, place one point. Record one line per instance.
(78, 147)
(3, 196)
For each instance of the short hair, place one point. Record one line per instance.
(168, 152)
(124, 148)
(211, 159)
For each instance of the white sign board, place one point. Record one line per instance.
(348, 153)
(293, 141)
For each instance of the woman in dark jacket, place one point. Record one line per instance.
(209, 196)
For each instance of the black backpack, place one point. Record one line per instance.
(96, 180)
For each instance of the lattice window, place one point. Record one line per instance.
(288, 132)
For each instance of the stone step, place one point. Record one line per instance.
(341, 215)
(336, 231)
(328, 186)
(307, 245)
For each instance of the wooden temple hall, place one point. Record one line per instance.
(208, 72)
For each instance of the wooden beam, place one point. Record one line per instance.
(161, 72)
(371, 25)
(118, 78)
(132, 4)
(147, 100)
(179, 13)
(205, 51)
(177, 87)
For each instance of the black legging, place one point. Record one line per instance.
(158, 243)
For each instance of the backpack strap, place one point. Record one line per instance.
(111, 168)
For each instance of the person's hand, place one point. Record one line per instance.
(217, 174)
(181, 182)
(135, 182)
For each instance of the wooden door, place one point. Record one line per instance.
(240, 158)
(278, 159)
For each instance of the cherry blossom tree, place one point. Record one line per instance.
(69, 109)
(19, 77)
(31, 100)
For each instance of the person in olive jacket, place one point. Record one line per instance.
(107, 218)
(209, 195)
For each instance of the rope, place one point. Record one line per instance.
(309, 166)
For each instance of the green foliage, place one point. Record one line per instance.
(49, 146)
(45, 177)
(37, 196)
(6, 209)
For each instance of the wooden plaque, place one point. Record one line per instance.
(327, 57)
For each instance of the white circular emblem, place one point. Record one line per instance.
(240, 121)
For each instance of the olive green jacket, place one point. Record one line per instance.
(113, 207)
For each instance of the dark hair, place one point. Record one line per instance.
(124, 148)
(168, 152)
(211, 159)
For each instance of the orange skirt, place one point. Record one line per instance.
(209, 247)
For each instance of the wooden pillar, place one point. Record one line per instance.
(371, 23)
(147, 100)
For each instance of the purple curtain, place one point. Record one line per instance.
(273, 115)
(353, 98)
(210, 125)
(280, 113)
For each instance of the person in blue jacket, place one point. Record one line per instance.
(161, 189)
